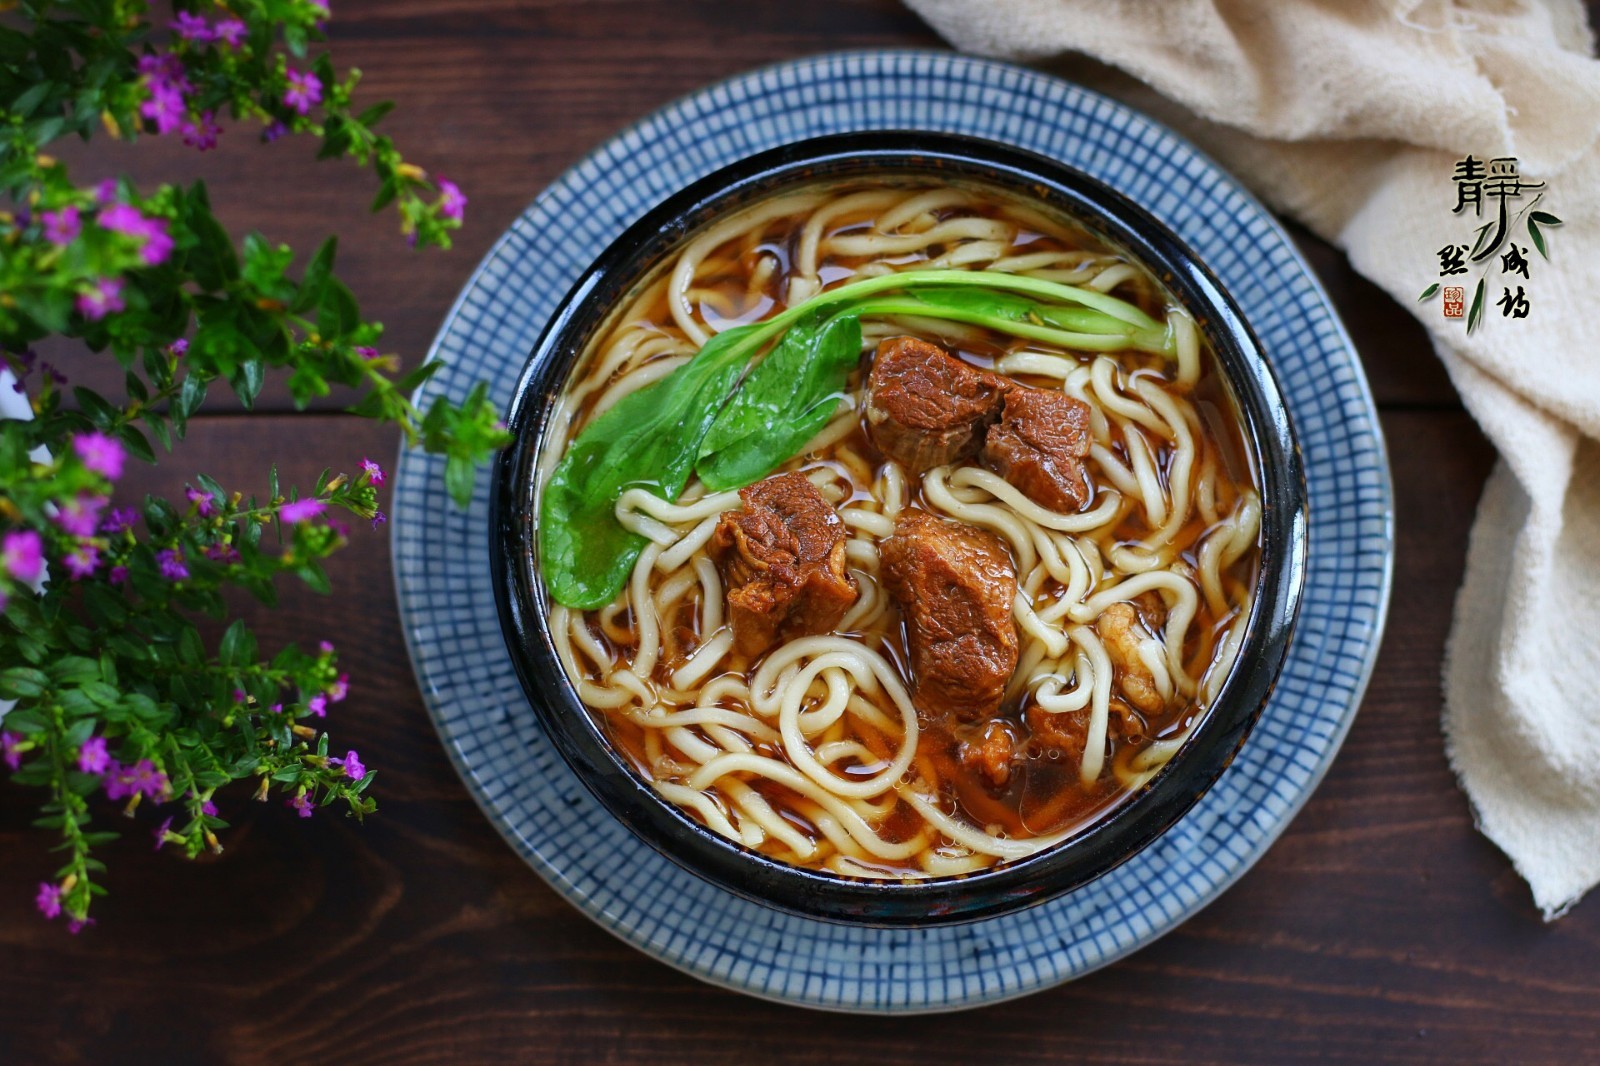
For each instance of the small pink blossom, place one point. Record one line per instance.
(81, 561)
(166, 107)
(119, 519)
(48, 900)
(155, 243)
(171, 562)
(301, 510)
(161, 833)
(142, 778)
(100, 453)
(272, 132)
(231, 32)
(22, 554)
(203, 134)
(205, 504)
(118, 575)
(11, 748)
(191, 27)
(351, 764)
(80, 515)
(373, 471)
(102, 299)
(378, 519)
(318, 705)
(61, 227)
(452, 201)
(304, 91)
(92, 756)
(302, 804)
(339, 689)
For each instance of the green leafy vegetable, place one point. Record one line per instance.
(650, 438)
(789, 396)
(692, 419)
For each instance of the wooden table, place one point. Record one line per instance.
(1381, 925)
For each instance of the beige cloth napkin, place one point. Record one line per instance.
(1350, 116)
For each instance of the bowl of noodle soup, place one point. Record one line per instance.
(900, 528)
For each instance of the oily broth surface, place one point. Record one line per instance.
(755, 275)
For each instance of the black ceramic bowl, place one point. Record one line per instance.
(523, 603)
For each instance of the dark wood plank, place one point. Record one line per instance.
(502, 97)
(1381, 925)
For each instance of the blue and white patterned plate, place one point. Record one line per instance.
(546, 814)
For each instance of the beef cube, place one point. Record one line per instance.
(925, 407)
(1039, 445)
(955, 586)
(782, 562)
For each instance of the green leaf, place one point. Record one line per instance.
(649, 438)
(314, 285)
(238, 645)
(1544, 218)
(136, 442)
(247, 381)
(784, 401)
(1429, 291)
(22, 682)
(1477, 245)
(1538, 238)
(374, 114)
(459, 474)
(1475, 315)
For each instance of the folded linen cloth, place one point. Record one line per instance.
(1351, 117)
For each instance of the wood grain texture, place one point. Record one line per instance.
(1380, 927)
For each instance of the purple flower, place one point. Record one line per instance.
(179, 348)
(373, 471)
(61, 227)
(106, 191)
(351, 764)
(301, 803)
(142, 778)
(205, 504)
(318, 705)
(202, 135)
(48, 900)
(452, 202)
(119, 519)
(22, 554)
(161, 833)
(101, 300)
(378, 519)
(191, 27)
(326, 13)
(325, 647)
(230, 32)
(171, 562)
(222, 554)
(118, 575)
(238, 695)
(340, 688)
(80, 515)
(92, 757)
(166, 107)
(272, 132)
(301, 510)
(78, 925)
(99, 453)
(11, 748)
(304, 91)
(156, 243)
(207, 807)
(81, 561)
(276, 708)
(366, 353)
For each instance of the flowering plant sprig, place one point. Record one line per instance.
(122, 701)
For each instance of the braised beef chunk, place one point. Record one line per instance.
(927, 408)
(955, 586)
(1120, 627)
(990, 749)
(1039, 444)
(782, 560)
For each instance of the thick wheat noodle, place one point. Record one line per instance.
(918, 205)
(713, 238)
(864, 244)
